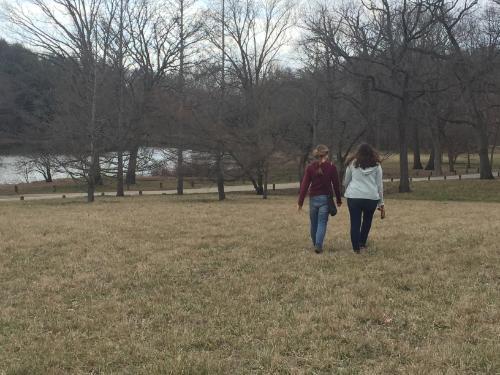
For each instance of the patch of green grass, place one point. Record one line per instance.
(449, 190)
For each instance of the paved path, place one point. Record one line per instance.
(206, 190)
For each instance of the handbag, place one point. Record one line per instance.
(332, 207)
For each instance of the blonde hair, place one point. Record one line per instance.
(320, 151)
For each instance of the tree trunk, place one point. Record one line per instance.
(90, 192)
(254, 183)
(494, 146)
(48, 175)
(119, 175)
(119, 172)
(485, 171)
(264, 190)
(430, 163)
(451, 160)
(94, 165)
(437, 148)
(404, 180)
(417, 163)
(180, 172)
(260, 187)
(132, 166)
(368, 113)
(302, 165)
(341, 168)
(180, 156)
(220, 176)
(98, 180)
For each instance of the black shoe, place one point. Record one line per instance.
(357, 251)
(318, 250)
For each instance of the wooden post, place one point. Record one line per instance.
(274, 187)
(161, 185)
(54, 188)
(102, 194)
(429, 178)
(192, 183)
(140, 192)
(16, 189)
(445, 177)
(459, 176)
(392, 179)
(64, 196)
(21, 197)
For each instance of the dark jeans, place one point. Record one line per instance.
(360, 209)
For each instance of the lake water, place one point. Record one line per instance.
(11, 174)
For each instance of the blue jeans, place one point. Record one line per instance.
(360, 209)
(318, 211)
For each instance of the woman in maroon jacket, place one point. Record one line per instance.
(318, 179)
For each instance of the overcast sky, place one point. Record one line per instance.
(289, 56)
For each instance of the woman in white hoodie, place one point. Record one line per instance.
(364, 193)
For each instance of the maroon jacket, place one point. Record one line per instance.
(320, 184)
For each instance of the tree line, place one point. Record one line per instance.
(239, 83)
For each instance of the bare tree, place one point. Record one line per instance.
(255, 34)
(453, 17)
(72, 31)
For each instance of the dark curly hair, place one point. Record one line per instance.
(365, 157)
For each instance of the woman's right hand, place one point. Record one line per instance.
(382, 212)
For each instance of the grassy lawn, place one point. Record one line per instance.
(450, 190)
(156, 285)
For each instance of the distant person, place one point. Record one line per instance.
(320, 180)
(364, 193)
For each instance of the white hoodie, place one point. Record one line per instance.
(364, 183)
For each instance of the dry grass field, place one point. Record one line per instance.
(160, 285)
